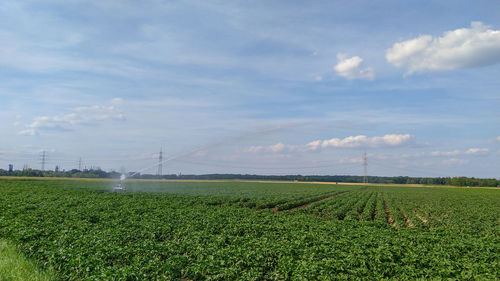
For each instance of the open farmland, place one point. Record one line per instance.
(252, 231)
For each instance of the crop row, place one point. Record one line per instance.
(84, 233)
(375, 205)
(361, 205)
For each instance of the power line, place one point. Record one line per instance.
(44, 158)
(365, 167)
(412, 170)
(160, 163)
(231, 165)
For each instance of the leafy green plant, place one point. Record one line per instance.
(203, 231)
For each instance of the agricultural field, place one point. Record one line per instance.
(79, 230)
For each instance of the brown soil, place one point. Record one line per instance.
(408, 221)
(389, 217)
(438, 218)
(424, 220)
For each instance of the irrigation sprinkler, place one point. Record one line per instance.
(121, 186)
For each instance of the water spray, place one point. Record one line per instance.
(121, 186)
(224, 142)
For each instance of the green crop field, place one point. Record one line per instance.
(252, 231)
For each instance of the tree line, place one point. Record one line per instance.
(97, 173)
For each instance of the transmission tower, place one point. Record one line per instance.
(160, 163)
(44, 158)
(80, 164)
(365, 167)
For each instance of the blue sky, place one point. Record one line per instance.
(267, 87)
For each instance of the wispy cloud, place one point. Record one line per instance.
(461, 48)
(477, 151)
(413, 155)
(270, 148)
(193, 72)
(455, 161)
(351, 160)
(86, 115)
(446, 153)
(470, 151)
(352, 68)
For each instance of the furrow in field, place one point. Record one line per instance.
(380, 214)
(345, 207)
(290, 206)
(307, 204)
(407, 220)
(423, 219)
(360, 206)
(367, 213)
(390, 220)
(322, 208)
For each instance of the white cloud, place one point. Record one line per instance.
(79, 115)
(446, 153)
(313, 145)
(361, 140)
(460, 48)
(271, 148)
(456, 152)
(413, 155)
(277, 147)
(476, 151)
(498, 138)
(351, 141)
(352, 68)
(117, 101)
(454, 161)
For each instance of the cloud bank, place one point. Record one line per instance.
(363, 141)
(461, 48)
(352, 68)
(348, 142)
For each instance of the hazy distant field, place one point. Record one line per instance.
(252, 231)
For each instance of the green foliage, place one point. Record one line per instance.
(15, 267)
(215, 231)
(98, 173)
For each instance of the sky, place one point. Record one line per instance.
(257, 87)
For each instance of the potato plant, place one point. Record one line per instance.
(196, 232)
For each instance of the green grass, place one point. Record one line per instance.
(15, 267)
